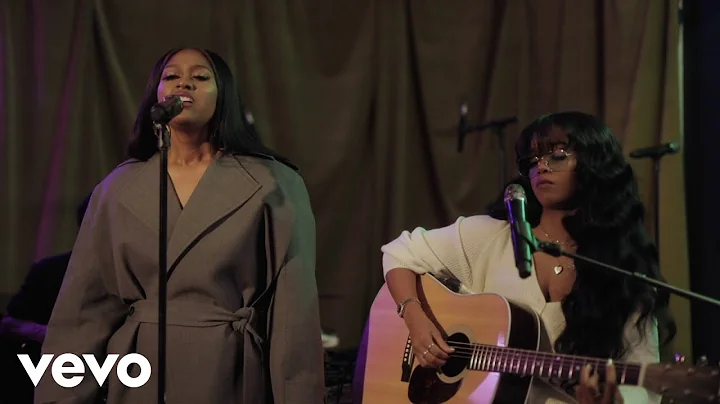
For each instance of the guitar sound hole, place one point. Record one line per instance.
(426, 388)
(459, 359)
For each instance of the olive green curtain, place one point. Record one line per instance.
(362, 94)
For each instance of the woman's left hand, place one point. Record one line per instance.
(588, 392)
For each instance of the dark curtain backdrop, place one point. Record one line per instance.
(702, 102)
(363, 95)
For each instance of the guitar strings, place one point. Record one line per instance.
(628, 373)
(469, 349)
(468, 353)
(484, 361)
(483, 352)
(471, 346)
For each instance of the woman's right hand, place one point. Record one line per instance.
(428, 344)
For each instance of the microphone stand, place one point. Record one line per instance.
(656, 198)
(656, 153)
(498, 129)
(163, 135)
(556, 251)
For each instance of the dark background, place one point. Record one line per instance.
(702, 127)
(363, 95)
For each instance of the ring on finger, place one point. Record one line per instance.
(430, 346)
(425, 353)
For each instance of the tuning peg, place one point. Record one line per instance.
(679, 358)
(702, 361)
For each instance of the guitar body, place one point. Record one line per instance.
(499, 347)
(387, 372)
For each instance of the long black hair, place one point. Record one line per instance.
(229, 130)
(607, 225)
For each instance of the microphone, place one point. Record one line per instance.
(164, 111)
(515, 202)
(462, 126)
(656, 151)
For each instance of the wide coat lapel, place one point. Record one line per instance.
(141, 197)
(222, 190)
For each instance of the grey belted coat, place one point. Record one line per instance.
(242, 314)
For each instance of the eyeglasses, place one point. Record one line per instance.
(557, 160)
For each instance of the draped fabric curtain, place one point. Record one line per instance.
(363, 95)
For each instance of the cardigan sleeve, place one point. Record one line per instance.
(454, 248)
(643, 347)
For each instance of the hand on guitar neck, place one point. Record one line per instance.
(588, 391)
(428, 343)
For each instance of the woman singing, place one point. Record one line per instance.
(583, 195)
(242, 309)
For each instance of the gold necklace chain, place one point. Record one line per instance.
(559, 268)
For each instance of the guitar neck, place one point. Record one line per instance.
(489, 358)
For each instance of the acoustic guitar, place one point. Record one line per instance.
(500, 347)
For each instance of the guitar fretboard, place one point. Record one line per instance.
(488, 358)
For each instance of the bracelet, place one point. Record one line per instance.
(401, 306)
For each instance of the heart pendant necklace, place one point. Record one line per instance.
(558, 269)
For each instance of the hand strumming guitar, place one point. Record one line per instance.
(588, 391)
(428, 344)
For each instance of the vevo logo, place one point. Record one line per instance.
(59, 370)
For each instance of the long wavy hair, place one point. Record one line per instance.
(228, 130)
(607, 225)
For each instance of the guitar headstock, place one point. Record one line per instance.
(684, 383)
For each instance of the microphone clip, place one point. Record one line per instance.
(161, 114)
(162, 133)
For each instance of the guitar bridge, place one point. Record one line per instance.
(408, 359)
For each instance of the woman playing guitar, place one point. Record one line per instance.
(582, 194)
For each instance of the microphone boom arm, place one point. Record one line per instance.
(556, 250)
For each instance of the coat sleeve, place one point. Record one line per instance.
(86, 312)
(296, 352)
